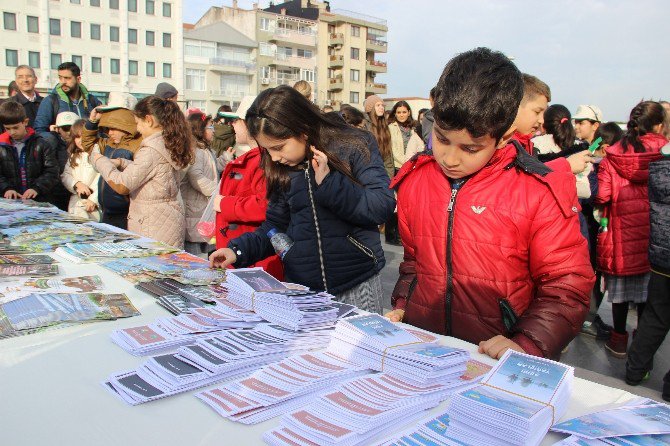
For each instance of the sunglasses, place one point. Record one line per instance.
(65, 128)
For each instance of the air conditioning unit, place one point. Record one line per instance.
(328, 102)
(265, 81)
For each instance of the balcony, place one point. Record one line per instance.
(231, 66)
(378, 46)
(335, 61)
(336, 39)
(286, 79)
(226, 95)
(293, 36)
(375, 66)
(374, 88)
(307, 63)
(335, 83)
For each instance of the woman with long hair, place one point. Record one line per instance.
(327, 191)
(623, 242)
(154, 174)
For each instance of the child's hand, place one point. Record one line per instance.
(82, 189)
(579, 161)
(95, 115)
(89, 206)
(222, 258)
(320, 165)
(497, 346)
(395, 315)
(29, 194)
(12, 195)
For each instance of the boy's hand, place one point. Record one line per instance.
(579, 161)
(320, 165)
(29, 194)
(222, 258)
(497, 346)
(95, 115)
(395, 315)
(12, 195)
(80, 188)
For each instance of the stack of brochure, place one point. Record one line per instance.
(181, 266)
(377, 343)
(515, 404)
(274, 301)
(278, 388)
(360, 410)
(18, 288)
(227, 355)
(433, 431)
(96, 252)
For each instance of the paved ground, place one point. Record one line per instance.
(584, 353)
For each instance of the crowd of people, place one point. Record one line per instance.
(513, 214)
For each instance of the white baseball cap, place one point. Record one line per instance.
(65, 119)
(118, 100)
(590, 112)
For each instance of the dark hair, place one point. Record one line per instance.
(610, 132)
(558, 124)
(432, 92)
(410, 120)
(198, 124)
(176, 133)
(422, 111)
(380, 130)
(643, 118)
(533, 87)
(352, 116)
(71, 66)
(480, 91)
(283, 113)
(12, 88)
(226, 109)
(12, 113)
(72, 149)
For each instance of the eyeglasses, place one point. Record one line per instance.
(65, 128)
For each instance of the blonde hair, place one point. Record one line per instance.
(533, 87)
(304, 89)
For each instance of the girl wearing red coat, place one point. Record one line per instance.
(622, 191)
(241, 204)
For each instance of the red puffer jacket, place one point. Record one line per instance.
(243, 205)
(622, 188)
(500, 254)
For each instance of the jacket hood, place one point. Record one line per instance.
(157, 143)
(6, 140)
(58, 90)
(122, 119)
(635, 166)
(545, 144)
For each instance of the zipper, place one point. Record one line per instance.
(362, 248)
(455, 187)
(412, 286)
(316, 225)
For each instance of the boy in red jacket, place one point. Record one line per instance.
(493, 252)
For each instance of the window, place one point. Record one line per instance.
(132, 35)
(34, 59)
(355, 76)
(96, 65)
(54, 27)
(132, 5)
(114, 33)
(265, 24)
(285, 51)
(114, 66)
(56, 60)
(167, 9)
(307, 75)
(76, 2)
(132, 67)
(149, 7)
(307, 54)
(355, 52)
(10, 20)
(95, 32)
(75, 29)
(151, 37)
(11, 58)
(95, 3)
(353, 97)
(355, 32)
(113, 4)
(167, 40)
(264, 72)
(265, 49)
(33, 24)
(151, 69)
(167, 70)
(195, 79)
(78, 60)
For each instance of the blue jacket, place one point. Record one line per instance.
(345, 249)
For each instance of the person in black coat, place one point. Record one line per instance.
(328, 192)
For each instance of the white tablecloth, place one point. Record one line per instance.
(50, 391)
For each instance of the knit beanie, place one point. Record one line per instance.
(370, 102)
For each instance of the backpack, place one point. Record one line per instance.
(55, 105)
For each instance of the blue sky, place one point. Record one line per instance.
(611, 53)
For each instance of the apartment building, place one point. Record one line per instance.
(219, 66)
(120, 45)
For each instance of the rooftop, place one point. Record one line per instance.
(220, 32)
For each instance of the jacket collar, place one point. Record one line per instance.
(5, 140)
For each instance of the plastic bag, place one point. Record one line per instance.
(206, 227)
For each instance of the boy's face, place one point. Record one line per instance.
(64, 133)
(530, 116)
(459, 154)
(17, 131)
(116, 135)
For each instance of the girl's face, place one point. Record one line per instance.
(379, 108)
(209, 131)
(77, 142)
(585, 129)
(147, 125)
(241, 132)
(289, 152)
(401, 114)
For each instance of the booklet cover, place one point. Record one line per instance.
(622, 421)
(36, 270)
(382, 329)
(19, 288)
(19, 259)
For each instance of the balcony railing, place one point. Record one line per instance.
(336, 61)
(294, 36)
(221, 62)
(375, 65)
(336, 39)
(359, 16)
(228, 94)
(335, 83)
(374, 87)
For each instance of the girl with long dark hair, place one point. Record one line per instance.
(328, 192)
(154, 174)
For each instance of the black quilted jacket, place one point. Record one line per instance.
(659, 214)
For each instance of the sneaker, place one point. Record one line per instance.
(635, 382)
(597, 329)
(617, 344)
